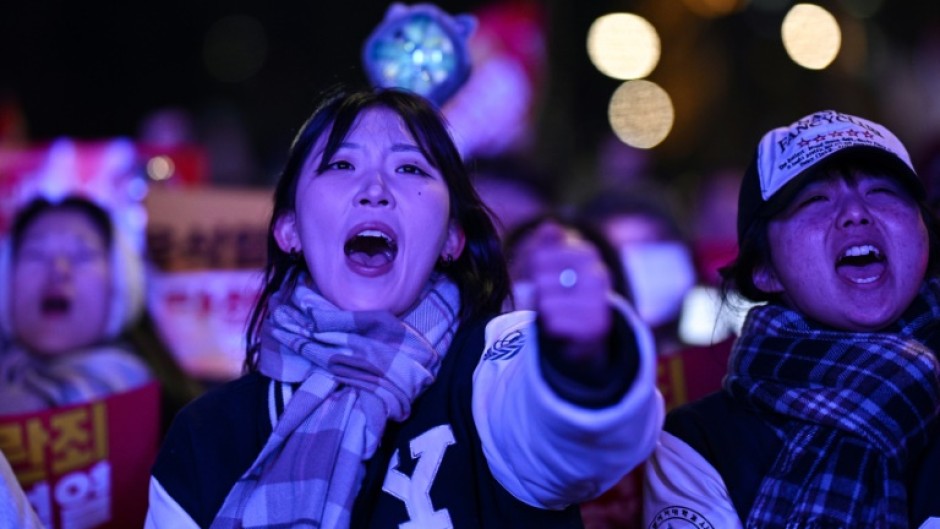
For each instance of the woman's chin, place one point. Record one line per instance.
(378, 296)
(387, 285)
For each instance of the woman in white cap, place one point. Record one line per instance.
(828, 413)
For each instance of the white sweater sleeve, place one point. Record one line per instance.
(544, 450)
(680, 485)
(163, 512)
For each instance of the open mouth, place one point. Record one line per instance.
(371, 248)
(55, 305)
(861, 263)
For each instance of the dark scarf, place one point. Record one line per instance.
(850, 408)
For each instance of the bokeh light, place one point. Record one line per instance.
(160, 168)
(623, 46)
(811, 36)
(641, 114)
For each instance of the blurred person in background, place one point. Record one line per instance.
(511, 189)
(656, 264)
(521, 243)
(653, 253)
(706, 318)
(712, 226)
(73, 286)
(73, 321)
(620, 506)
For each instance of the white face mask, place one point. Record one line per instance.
(659, 275)
(707, 319)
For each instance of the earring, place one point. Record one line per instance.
(445, 261)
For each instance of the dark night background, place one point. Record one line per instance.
(93, 69)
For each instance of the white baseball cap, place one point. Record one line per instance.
(786, 154)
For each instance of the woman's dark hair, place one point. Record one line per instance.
(754, 247)
(38, 206)
(479, 273)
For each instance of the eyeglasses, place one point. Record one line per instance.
(75, 251)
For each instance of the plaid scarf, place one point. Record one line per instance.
(358, 371)
(30, 382)
(849, 407)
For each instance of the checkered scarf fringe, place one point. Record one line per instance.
(849, 407)
(357, 370)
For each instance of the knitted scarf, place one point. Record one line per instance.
(358, 370)
(849, 407)
(30, 382)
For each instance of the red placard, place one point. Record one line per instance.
(87, 465)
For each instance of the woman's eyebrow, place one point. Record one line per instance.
(406, 147)
(397, 147)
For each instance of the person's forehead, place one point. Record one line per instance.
(372, 125)
(851, 174)
(378, 121)
(66, 221)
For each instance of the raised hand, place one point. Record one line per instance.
(570, 291)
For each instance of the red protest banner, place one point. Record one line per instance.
(208, 246)
(87, 465)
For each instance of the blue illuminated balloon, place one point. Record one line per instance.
(420, 48)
